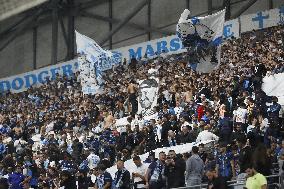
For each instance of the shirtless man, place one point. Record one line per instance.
(109, 121)
(131, 90)
(188, 96)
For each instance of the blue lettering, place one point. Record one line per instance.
(5, 86)
(17, 83)
(137, 54)
(149, 51)
(28, 82)
(67, 70)
(227, 31)
(42, 78)
(162, 46)
(54, 71)
(175, 44)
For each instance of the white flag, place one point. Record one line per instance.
(92, 59)
(202, 36)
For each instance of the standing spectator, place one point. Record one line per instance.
(103, 180)
(2, 148)
(122, 176)
(262, 163)
(67, 180)
(187, 135)
(255, 180)
(226, 128)
(215, 181)
(93, 160)
(225, 164)
(206, 135)
(194, 169)
(155, 177)
(17, 179)
(273, 112)
(174, 170)
(240, 116)
(166, 126)
(138, 173)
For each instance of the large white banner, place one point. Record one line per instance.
(169, 45)
(147, 96)
(179, 149)
(202, 37)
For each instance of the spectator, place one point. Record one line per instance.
(67, 180)
(206, 135)
(17, 179)
(138, 174)
(122, 176)
(154, 176)
(174, 170)
(215, 181)
(255, 180)
(103, 180)
(225, 164)
(194, 169)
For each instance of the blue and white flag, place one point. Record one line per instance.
(202, 36)
(93, 60)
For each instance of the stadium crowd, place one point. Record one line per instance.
(54, 136)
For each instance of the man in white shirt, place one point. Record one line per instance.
(240, 115)
(138, 173)
(93, 160)
(206, 135)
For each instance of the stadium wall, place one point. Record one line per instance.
(18, 55)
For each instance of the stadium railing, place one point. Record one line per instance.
(274, 182)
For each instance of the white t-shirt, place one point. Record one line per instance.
(140, 170)
(205, 136)
(240, 115)
(93, 160)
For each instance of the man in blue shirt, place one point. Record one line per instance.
(225, 163)
(104, 179)
(16, 179)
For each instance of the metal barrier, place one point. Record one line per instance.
(238, 183)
